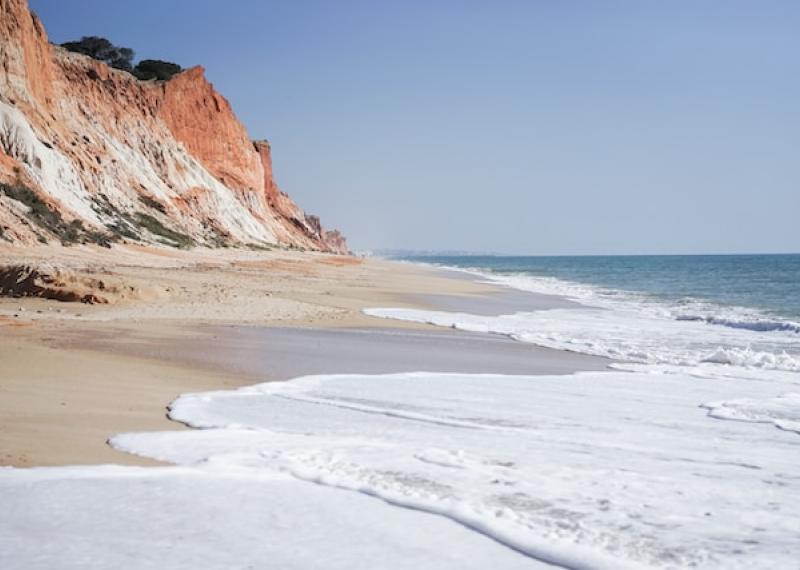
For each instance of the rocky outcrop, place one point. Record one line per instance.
(293, 219)
(92, 153)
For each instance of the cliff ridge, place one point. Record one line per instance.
(89, 153)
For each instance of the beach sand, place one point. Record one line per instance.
(72, 375)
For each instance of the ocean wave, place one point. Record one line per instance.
(783, 411)
(624, 336)
(752, 325)
(752, 358)
(681, 309)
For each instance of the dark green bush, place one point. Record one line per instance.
(156, 69)
(39, 211)
(103, 50)
(41, 214)
(117, 57)
(175, 239)
(123, 229)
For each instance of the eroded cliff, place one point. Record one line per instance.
(90, 153)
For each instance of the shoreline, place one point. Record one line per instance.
(74, 375)
(528, 461)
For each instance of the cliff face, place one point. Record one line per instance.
(106, 156)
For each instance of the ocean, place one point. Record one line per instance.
(739, 309)
(766, 285)
(684, 453)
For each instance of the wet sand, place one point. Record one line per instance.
(281, 353)
(71, 375)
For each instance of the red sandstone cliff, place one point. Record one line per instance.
(107, 156)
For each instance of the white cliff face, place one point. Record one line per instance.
(100, 147)
(183, 184)
(51, 170)
(45, 165)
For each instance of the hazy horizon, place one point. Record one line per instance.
(419, 253)
(538, 128)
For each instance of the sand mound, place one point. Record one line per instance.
(61, 284)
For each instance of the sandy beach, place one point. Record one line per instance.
(73, 375)
(253, 387)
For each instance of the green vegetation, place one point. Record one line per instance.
(122, 58)
(41, 214)
(77, 233)
(123, 229)
(259, 247)
(72, 232)
(103, 50)
(129, 225)
(173, 238)
(156, 69)
(38, 211)
(217, 239)
(122, 226)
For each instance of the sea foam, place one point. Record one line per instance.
(594, 470)
(624, 334)
(782, 411)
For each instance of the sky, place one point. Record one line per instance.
(523, 127)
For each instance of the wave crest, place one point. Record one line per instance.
(753, 359)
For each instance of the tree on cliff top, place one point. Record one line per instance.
(103, 50)
(156, 69)
(122, 58)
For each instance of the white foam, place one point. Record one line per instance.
(624, 334)
(782, 411)
(213, 519)
(595, 470)
(678, 357)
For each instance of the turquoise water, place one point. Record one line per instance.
(769, 284)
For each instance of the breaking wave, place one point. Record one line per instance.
(631, 327)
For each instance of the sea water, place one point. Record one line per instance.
(706, 355)
(766, 284)
(683, 310)
(685, 453)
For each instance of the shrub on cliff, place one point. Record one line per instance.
(103, 50)
(156, 69)
(47, 218)
(122, 58)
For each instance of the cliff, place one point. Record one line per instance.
(90, 153)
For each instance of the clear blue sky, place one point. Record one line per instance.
(541, 127)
